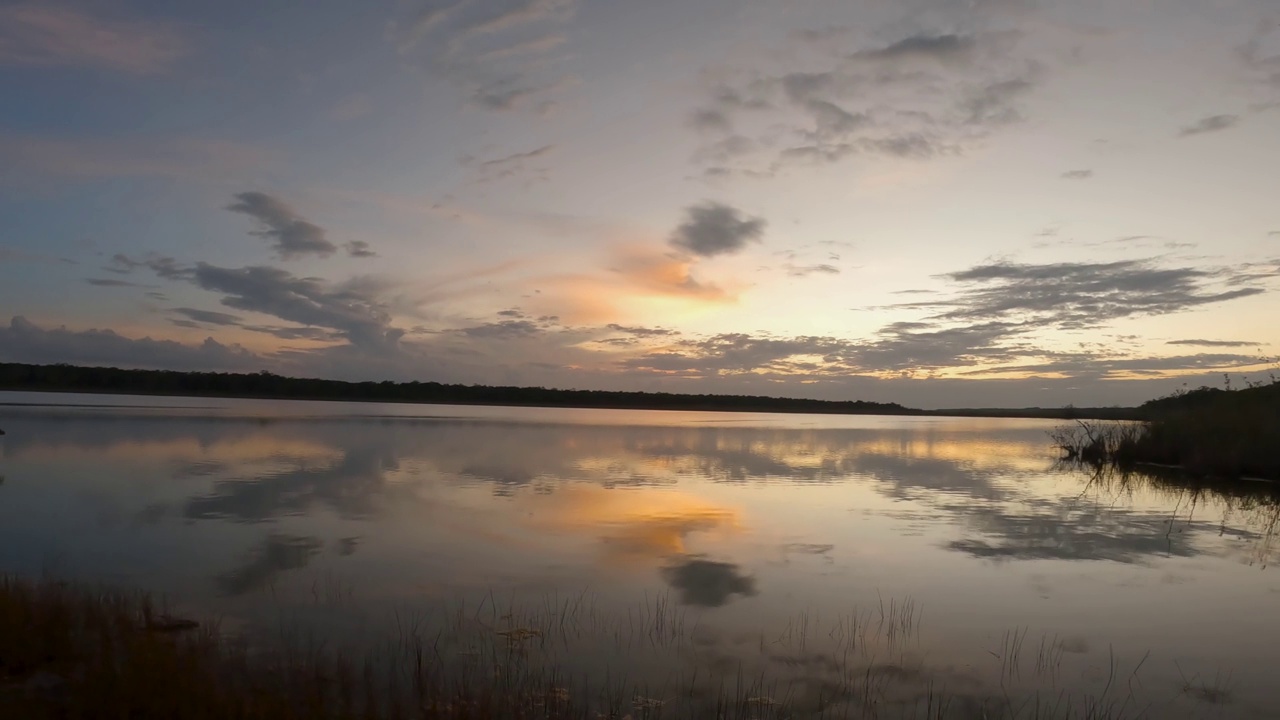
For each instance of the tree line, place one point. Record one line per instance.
(72, 378)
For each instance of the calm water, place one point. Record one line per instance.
(953, 550)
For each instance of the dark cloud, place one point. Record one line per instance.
(940, 48)
(642, 331)
(503, 330)
(1074, 295)
(110, 282)
(359, 249)
(208, 316)
(295, 333)
(741, 352)
(1077, 174)
(1210, 124)
(832, 121)
(516, 166)
(291, 236)
(353, 310)
(712, 229)
(23, 341)
(911, 346)
(1214, 343)
(1091, 364)
(710, 119)
(162, 265)
(708, 583)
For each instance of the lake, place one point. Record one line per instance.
(847, 565)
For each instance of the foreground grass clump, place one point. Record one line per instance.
(71, 652)
(1228, 433)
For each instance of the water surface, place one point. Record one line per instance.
(968, 561)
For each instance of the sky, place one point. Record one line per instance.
(934, 202)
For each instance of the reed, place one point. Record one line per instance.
(70, 651)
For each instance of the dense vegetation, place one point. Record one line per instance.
(69, 378)
(1227, 432)
(1232, 432)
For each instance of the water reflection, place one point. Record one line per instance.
(276, 554)
(708, 583)
(747, 525)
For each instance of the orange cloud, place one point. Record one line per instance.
(639, 281)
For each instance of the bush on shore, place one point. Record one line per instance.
(1229, 433)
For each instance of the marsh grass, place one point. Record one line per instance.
(77, 652)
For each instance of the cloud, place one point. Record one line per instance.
(710, 119)
(353, 309)
(712, 229)
(915, 346)
(208, 316)
(1077, 174)
(729, 353)
(536, 46)
(635, 274)
(110, 282)
(503, 330)
(938, 48)
(726, 150)
(514, 166)
(642, 331)
(291, 236)
(1213, 123)
(23, 341)
(55, 34)
(806, 270)
(995, 319)
(162, 265)
(708, 583)
(502, 55)
(920, 97)
(1214, 343)
(359, 249)
(1076, 295)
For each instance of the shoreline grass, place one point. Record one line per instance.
(70, 651)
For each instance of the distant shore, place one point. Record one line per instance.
(265, 386)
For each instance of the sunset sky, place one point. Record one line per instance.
(934, 202)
